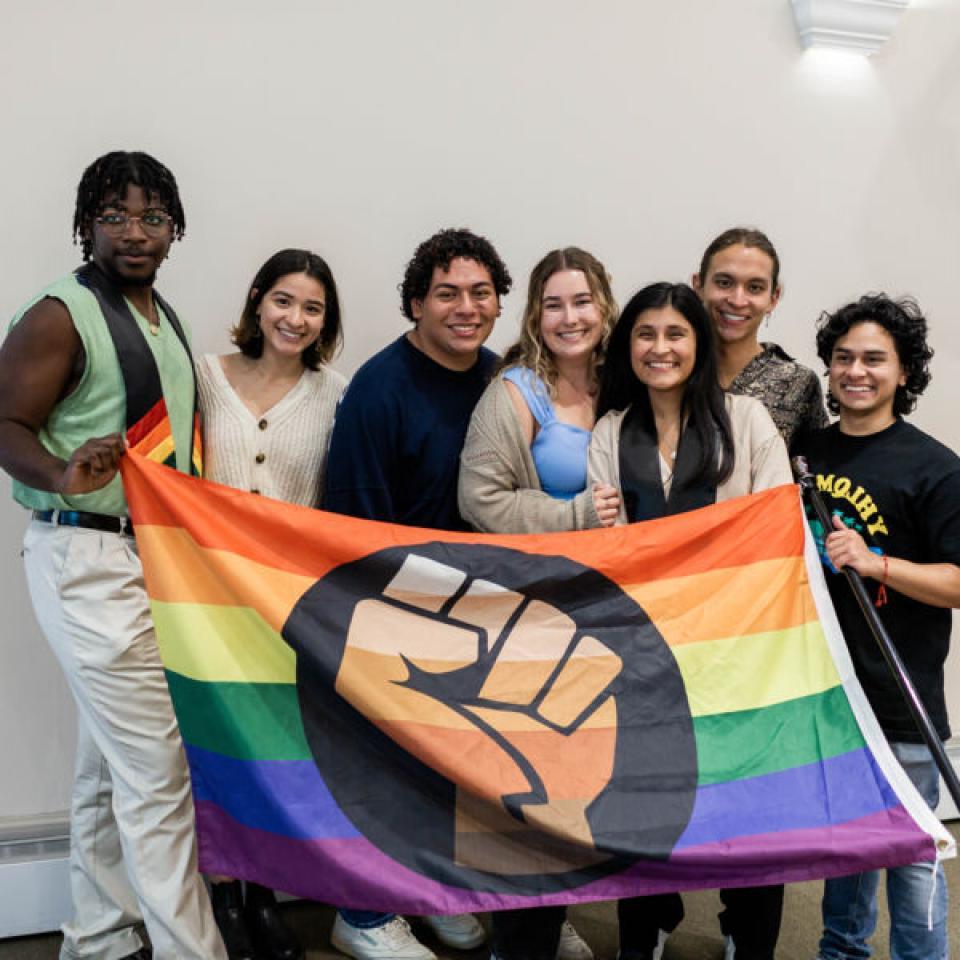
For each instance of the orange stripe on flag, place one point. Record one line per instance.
(158, 434)
(161, 452)
(574, 765)
(374, 684)
(716, 604)
(177, 570)
(311, 543)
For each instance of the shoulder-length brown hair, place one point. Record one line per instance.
(247, 334)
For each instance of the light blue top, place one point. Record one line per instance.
(559, 449)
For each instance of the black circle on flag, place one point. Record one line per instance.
(493, 719)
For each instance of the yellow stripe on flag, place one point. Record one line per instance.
(783, 665)
(221, 644)
(161, 451)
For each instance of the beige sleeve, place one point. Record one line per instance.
(769, 462)
(498, 489)
(603, 464)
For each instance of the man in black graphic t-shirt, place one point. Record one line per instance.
(894, 493)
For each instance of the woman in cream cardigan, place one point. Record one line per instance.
(267, 414)
(671, 440)
(524, 470)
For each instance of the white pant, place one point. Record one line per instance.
(133, 846)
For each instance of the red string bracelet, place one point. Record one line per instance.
(882, 592)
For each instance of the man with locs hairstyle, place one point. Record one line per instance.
(894, 494)
(97, 355)
(395, 456)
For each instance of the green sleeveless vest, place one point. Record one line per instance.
(98, 404)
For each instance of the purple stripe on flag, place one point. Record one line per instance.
(289, 797)
(351, 871)
(841, 788)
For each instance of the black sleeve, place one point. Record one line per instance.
(940, 515)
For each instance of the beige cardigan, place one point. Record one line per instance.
(760, 456)
(499, 490)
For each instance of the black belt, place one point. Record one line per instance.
(92, 521)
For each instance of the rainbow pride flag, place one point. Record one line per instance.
(401, 719)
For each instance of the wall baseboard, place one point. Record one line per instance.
(34, 896)
(34, 874)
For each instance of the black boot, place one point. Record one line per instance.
(273, 939)
(227, 901)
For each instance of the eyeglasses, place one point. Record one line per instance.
(153, 223)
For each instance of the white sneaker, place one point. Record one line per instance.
(390, 941)
(572, 946)
(462, 931)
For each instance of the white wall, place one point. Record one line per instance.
(636, 129)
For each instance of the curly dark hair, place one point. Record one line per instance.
(247, 334)
(110, 175)
(438, 251)
(907, 326)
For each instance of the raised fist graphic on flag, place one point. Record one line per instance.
(506, 713)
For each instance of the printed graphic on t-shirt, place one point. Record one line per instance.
(816, 528)
(865, 517)
(842, 488)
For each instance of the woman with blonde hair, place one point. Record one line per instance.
(524, 470)
(524, 463)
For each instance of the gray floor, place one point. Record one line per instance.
(698, 938)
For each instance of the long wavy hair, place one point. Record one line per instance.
(703, 409)
(529, 350)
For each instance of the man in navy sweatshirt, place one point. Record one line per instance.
(395, 455)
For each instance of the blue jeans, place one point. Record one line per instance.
(366, 919)
(850, 903)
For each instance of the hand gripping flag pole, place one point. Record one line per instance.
(808, 484)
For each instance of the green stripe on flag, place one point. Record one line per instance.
(750, 743)
(261, 721)
(248, 721)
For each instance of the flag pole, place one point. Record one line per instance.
(922, 719)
